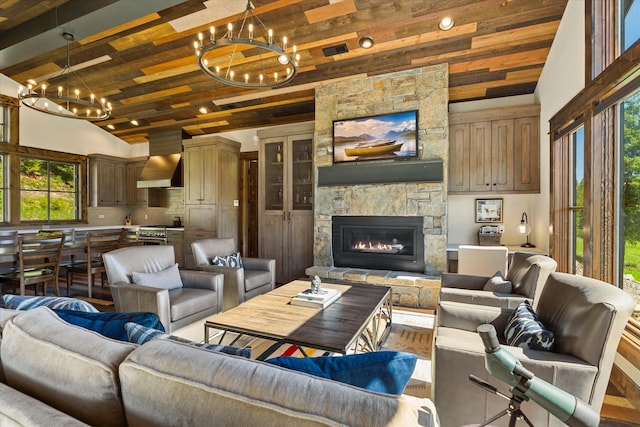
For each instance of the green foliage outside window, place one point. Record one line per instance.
(630, 195)
(47, 190)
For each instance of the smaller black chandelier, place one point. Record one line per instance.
(248, 55)
(65, 101)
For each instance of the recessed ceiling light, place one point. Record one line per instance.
(112, 127)
(366, 42)
(134, 122)
(446, 23)
(203, 110)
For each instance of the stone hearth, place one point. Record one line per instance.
(408, 289)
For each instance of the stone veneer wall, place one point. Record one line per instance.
(422, 89)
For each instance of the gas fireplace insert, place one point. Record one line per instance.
(378, 242)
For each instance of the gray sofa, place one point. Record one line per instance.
(54, 373)
(587, 317)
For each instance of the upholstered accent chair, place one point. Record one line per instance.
(179, 299)
(256, 276)
(587, 317)
(526, 274)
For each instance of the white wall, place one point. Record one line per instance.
(45, 131)
(561, 79)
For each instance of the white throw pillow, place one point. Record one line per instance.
(169, 278)
(497, 283)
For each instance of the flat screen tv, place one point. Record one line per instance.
(386, 136)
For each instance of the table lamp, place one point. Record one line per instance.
(525, 228)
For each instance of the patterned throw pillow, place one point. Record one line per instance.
(497, 283)
(233, 260)
(20, 302)
(169, 278)
(140, 334)
(525, 330)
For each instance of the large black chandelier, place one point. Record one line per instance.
(247, 55)
(65, 101)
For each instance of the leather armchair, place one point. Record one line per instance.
(527, 274)
(587, 317)
(200, 296)
(256, 277)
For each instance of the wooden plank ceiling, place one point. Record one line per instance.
(148, 71)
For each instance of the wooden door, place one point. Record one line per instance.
(459, 158)
(249, 219)
(502, 155)
(527, 155)
(480, 157)
(120, 184)
(106, 195)
(228, 197)
(192, 172)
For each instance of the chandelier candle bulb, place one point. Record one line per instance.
(230, 30)
(270, 36)
(284, 43)
(250, 31)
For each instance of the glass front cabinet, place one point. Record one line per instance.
(286, 214)
(288, 174)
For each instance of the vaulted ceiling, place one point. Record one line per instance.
(142, 60)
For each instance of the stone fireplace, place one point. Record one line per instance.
(422, 89)
(378, 242)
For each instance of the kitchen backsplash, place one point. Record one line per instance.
(141, 215)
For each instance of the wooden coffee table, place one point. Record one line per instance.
(359, 320)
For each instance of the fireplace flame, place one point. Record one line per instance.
(377, 247)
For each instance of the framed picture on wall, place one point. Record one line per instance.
(488, 210)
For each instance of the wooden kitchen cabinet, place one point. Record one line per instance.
(175, 238)
(135, 196)
(495, 151)
(107, 181)
(286, 199)
(211, 190)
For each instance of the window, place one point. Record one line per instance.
(577, 201)
(629, 196)
(629, 19)
(48, 190)
(4, 123)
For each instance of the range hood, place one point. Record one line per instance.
(161, 171)
(164, 166)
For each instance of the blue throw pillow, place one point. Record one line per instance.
(110, 324)
(525, 330)
(21, 302)
(381, 371)
(140, 334)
